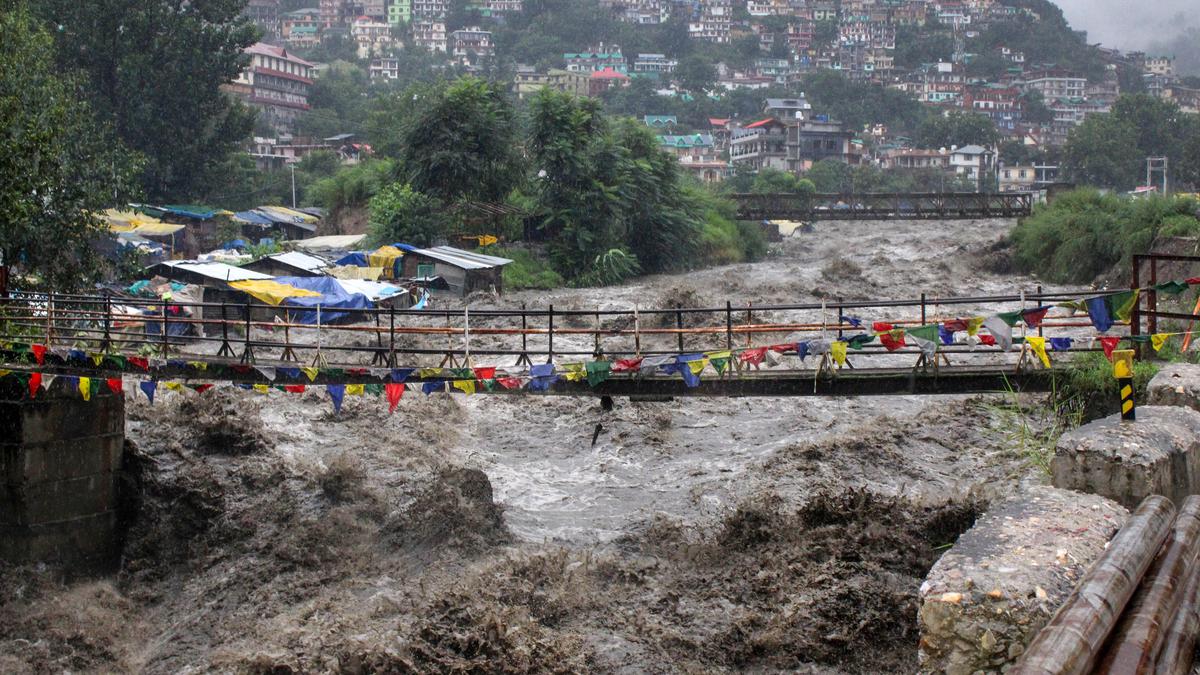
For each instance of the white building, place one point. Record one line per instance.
(973, 162)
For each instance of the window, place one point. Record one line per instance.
(425, 270)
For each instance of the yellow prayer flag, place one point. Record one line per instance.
(85, 388)
(575, 372)
(97, 359)
(466, 386)
(973, 325)
(262, 388)
(354, 390)
(719, 355)
(426, 373)
(198, 365)
(5, 373)
(173, 386)
(838, 351)
(311, 373)
(1158, 340)
(1038, 345)
(697, 366)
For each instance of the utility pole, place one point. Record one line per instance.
(292, 166)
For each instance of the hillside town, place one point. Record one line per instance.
(1032, 105)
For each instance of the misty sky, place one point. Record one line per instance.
(1127, 24)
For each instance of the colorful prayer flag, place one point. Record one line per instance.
(148, 388)
(1038, 345)
(1122, 304)
(115, 385)
(39, 353)
(1158, 340)
(1001, 330)
(85, 388)
(35, 383)
(1109, 345)
(394, 392)
(1099, 313)
(354, 390)
(926, 338)
(336, 393)
(597, 371)
(838, 351)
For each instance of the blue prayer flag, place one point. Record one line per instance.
(336, 393)
(1099, 313)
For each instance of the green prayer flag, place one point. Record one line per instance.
(597, 371)
(927, 333)
(1139, 339)
(719, 364)
(490, 385)
(1121, 304)
(1171, 287)
(373, 388)
(859, 341)
(1010, 318)
(462, 374)
(118, 360)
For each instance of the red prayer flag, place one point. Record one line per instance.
(512, 382)
(1193, 281)
(890, 341)
(753, 356)
(626, 365)
(39, 353)
(241, 368)
(357, 371)
(294, 388)
(985, 339)
(881, 327)
(35, 383)
(783, 349)
(1033, 317)
(115, 385)
(956, 325)
(139, 361)
(1109, 344)
(201, 388)
(485, 373)
(394, 391)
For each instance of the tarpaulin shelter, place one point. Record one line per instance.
(271, 292)
(337, 304)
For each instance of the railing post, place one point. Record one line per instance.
(1135, 317)
(392, 337)
(1152, 297)
(107, 324)
(165, 347)
(839, 309)
(596, 339)
(247, 355)
(922, 309)
(1039, 303)
(728, 325)
(679, 328)
(550, 341)
(49, 320)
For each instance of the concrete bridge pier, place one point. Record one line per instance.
(59, 461)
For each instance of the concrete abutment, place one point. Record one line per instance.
(59, 462)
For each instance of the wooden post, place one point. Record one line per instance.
(107, 324)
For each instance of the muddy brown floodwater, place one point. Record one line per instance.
(489, 534)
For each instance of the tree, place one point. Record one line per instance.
(957, 129)
(830, 175)
(773, 181)
(153, 71)
(696, 74)
(401, 214)
(462, 143)
(1103, 151)
(58, 166)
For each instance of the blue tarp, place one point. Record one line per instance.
(353, 259)
(254, 217)
(335, 302)
(235, 244)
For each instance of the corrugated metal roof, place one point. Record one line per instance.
(302, 261)
(330, 242)
(466, 260)
(214, 270)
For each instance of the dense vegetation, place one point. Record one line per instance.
(1085, 233)
(58, 165)
(1110, 150)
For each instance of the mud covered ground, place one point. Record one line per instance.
(490, 534)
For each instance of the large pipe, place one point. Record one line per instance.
(1071, 642)
(1135, 645)
(1179, 648)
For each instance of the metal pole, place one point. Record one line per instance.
(392, 337)
(550, 346)
(1152, 297)
(728, 325)
(679, 328)
(637, 332)
(922, 309)
(293, 167)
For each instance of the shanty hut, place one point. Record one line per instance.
(463, 271)
(290, 264)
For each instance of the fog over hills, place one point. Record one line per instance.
(1130, 24)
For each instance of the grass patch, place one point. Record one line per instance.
(1088, 391)
(1032, 431)
(528, 270)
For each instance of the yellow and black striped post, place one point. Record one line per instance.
(1122, 360)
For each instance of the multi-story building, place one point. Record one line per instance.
(788, 108)
(800, 36)
(371, 36)
(333, 13)
(824, 10)
(491, 8)
(643, 12)
(597, 60)
(973, 162)
(1070, 113)
(430, 35)
(475, 41)
(939, 83)
(1019, 178)
(276, 82)
(399, 12)
(810, 141)
(528, 81)
(913, 158)
(603, 80)
(654, 63)
(768, 7)
(1055, 83)
(693, 146)
(384, 68)
(1003, 105)
(760, 145)
(265, 15)
(430, 10)
(713, 21)
(1162, 65)
(302, 18)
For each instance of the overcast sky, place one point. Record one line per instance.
(1127, 24)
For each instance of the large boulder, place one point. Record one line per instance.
(986, 598)
(1159, 454)
(1176, 384)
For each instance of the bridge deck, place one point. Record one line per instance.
(889, 206)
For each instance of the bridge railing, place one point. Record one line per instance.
(877, 206)
(253, 332)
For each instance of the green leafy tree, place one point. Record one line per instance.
(153, 71)
(830, 175)
(957, 129)
(774, 181)
(58, 166)
(462, 143)
(1110, 150)
(401, 214)
(696, 74)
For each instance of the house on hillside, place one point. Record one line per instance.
(760, 144)
(290, 264)
(463, 271)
